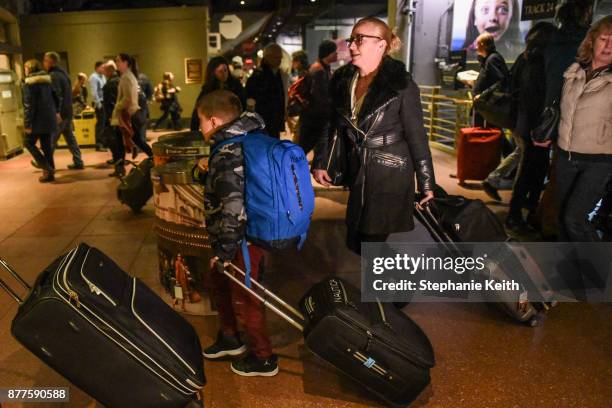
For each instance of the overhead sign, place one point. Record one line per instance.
(230, 26)
(538, 9)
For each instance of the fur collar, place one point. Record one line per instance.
(390, 80)
(40, 77)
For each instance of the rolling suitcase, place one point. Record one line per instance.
(109, 334)
(373, 343)
(136, 188)
(478, 152)
(507, 263)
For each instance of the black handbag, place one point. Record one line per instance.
(496, 106)
(547, 124)
(337, 161)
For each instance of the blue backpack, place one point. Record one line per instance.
(278, 193)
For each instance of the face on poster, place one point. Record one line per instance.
(501, 18)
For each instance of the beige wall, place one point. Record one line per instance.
(160, 38)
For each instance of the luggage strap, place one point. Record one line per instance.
(296, 321)
(247, 263)
(18, 278)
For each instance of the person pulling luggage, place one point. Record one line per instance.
(378, 118)
(224, 181)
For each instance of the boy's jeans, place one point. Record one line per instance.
(235, 304)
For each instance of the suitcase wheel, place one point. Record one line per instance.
(536, 320)
(136, 208)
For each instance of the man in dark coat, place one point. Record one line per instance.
(318, 100)
(381, 174)
(63, 89)
(493, 69)
(266, 92)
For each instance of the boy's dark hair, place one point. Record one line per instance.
(220, 103)
(98, 63)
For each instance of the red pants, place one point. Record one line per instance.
(235, 304)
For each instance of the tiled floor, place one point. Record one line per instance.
(483, 359)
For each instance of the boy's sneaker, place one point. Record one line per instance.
(224, 346)
(252, 366)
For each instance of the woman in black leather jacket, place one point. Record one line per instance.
(378, 114)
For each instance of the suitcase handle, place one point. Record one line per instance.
(275, 308)
(18, 278)
(425, 215)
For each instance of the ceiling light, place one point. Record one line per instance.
(242, 2)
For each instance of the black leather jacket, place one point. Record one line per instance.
(388, 146)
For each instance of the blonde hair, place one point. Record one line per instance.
(393, 41)
(32, 65)
(585, 51)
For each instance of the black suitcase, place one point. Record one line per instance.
(136, 188)
(448, 225)
(109, 334)
(373, 343)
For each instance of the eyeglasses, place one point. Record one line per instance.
(358, 39)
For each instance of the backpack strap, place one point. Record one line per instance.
(247, 263)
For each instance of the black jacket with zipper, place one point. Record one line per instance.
(388, 145)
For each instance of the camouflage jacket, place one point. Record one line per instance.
(224, 188)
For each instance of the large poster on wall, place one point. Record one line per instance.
(502, 18)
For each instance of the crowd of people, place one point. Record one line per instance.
(374, 111)
(119, 98)
(365, 118)
(563, 68)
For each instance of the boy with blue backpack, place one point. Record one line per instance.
(257, 189)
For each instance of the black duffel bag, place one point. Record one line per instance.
(466, 220)
(496, 106)
(136, 188)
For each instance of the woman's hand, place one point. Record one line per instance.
(28, 131)
(429, 195)
(322, 177)
(542, 144)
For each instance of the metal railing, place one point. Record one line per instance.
(443, 117)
